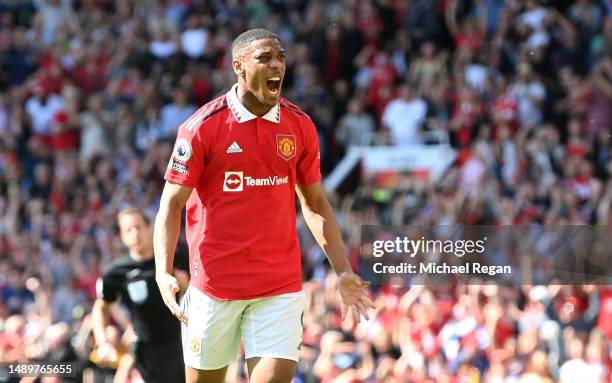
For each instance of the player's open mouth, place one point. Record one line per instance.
(273, 84)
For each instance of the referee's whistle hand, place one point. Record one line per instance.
(168, 287)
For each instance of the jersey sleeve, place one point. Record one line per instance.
(108, 286)
(187, 160)
(309, 163)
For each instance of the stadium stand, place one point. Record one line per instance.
(92, 92)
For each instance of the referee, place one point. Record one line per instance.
(157, 349)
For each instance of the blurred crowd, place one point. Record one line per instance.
(92, 93)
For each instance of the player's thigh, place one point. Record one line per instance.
(272, 327)
(194, 375)
(271, 370)
(211, 338)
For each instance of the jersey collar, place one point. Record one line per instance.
(242, 114)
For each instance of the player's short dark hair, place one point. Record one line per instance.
(134, 211)
(246, 38)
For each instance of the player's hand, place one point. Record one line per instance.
(168, 287)
(354, 293)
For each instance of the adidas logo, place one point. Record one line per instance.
(234, 148)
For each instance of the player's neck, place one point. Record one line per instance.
(250, 102)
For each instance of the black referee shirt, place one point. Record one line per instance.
(134, 283)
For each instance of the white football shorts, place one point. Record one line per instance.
(268, 327)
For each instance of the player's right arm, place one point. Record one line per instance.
(182, 175)
(165, 237)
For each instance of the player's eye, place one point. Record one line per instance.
(263, 59)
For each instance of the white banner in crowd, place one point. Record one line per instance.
(434, 159)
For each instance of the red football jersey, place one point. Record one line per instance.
(241, 218)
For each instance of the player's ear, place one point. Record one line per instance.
(238, 67)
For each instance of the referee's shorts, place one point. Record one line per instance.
(159, 362)
(268, 327)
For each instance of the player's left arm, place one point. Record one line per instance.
(321, 221)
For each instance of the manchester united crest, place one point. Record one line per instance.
(285, 146)
(195, 346)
